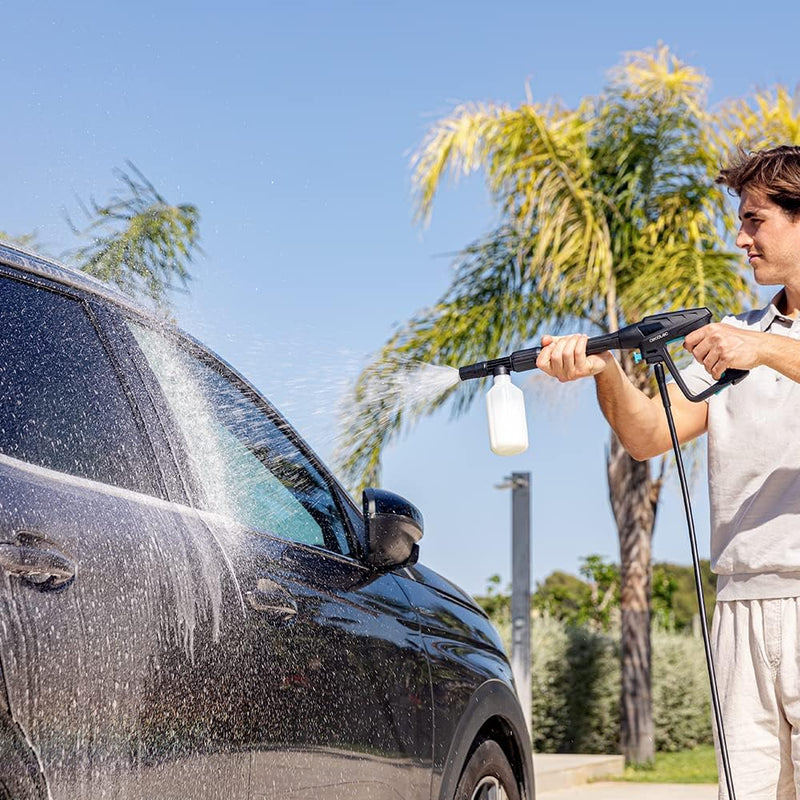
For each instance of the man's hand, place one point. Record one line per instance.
(564, 357)
(719, 347)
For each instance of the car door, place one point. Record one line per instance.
(350, 714)
(332, 681)
(106, 585)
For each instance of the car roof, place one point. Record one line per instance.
(13, 255)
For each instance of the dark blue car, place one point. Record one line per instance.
(190, 604)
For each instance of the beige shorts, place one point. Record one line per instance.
(756, 645)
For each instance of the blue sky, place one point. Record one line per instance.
(290, 125)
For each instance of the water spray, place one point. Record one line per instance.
(650, 338)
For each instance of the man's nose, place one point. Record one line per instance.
(743, 239)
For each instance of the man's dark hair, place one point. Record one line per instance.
(775, 173)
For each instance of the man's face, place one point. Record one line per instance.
(770, 240)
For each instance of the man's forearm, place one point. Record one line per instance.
(782, 354)
(638, 422)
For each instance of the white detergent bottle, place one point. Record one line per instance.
(505, 406)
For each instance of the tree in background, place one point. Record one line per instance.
(28, 241)
(608, 212)
(675, 595)
(593, 600)
(137, 240)
(562, 596)
(497, 601)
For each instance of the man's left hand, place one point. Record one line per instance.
(719, 347)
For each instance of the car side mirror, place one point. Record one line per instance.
(393, 527)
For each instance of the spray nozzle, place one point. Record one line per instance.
(482, 369)
(520, 361)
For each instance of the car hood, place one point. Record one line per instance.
(433, 580)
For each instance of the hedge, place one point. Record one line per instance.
(575, 686)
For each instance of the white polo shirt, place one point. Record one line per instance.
(754, 473)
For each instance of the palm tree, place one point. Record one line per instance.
(137, 240)
(608, 212)
(28, 241)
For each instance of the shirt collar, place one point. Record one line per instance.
(771, 313)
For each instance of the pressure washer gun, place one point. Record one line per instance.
(649, 337)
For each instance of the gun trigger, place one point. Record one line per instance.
(637, 357)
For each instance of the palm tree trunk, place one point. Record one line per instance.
(634, 499)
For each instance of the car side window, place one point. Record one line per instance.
(250, 469)
(62, 405)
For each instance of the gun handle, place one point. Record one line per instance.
(732, 376)
(728, 378)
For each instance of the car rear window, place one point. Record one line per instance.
(62, 405)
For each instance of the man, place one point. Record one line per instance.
(753, 469)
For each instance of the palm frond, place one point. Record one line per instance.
(28, 241)
(686, 276)
(658, 75)
(769, 118)
(139, 241)
(539, 172)
(458, 144)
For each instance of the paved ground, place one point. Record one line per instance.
(579, 777)
(620, 790)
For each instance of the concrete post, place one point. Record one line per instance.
(521, 588)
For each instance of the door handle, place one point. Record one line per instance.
(273, 600)
(31, 559)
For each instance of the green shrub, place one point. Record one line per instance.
(575, 689)
(575, 686)
(681, 699)
(593, 691)
(549, 685)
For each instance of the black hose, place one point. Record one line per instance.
(698, 581)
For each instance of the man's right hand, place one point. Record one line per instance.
(564, 357)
